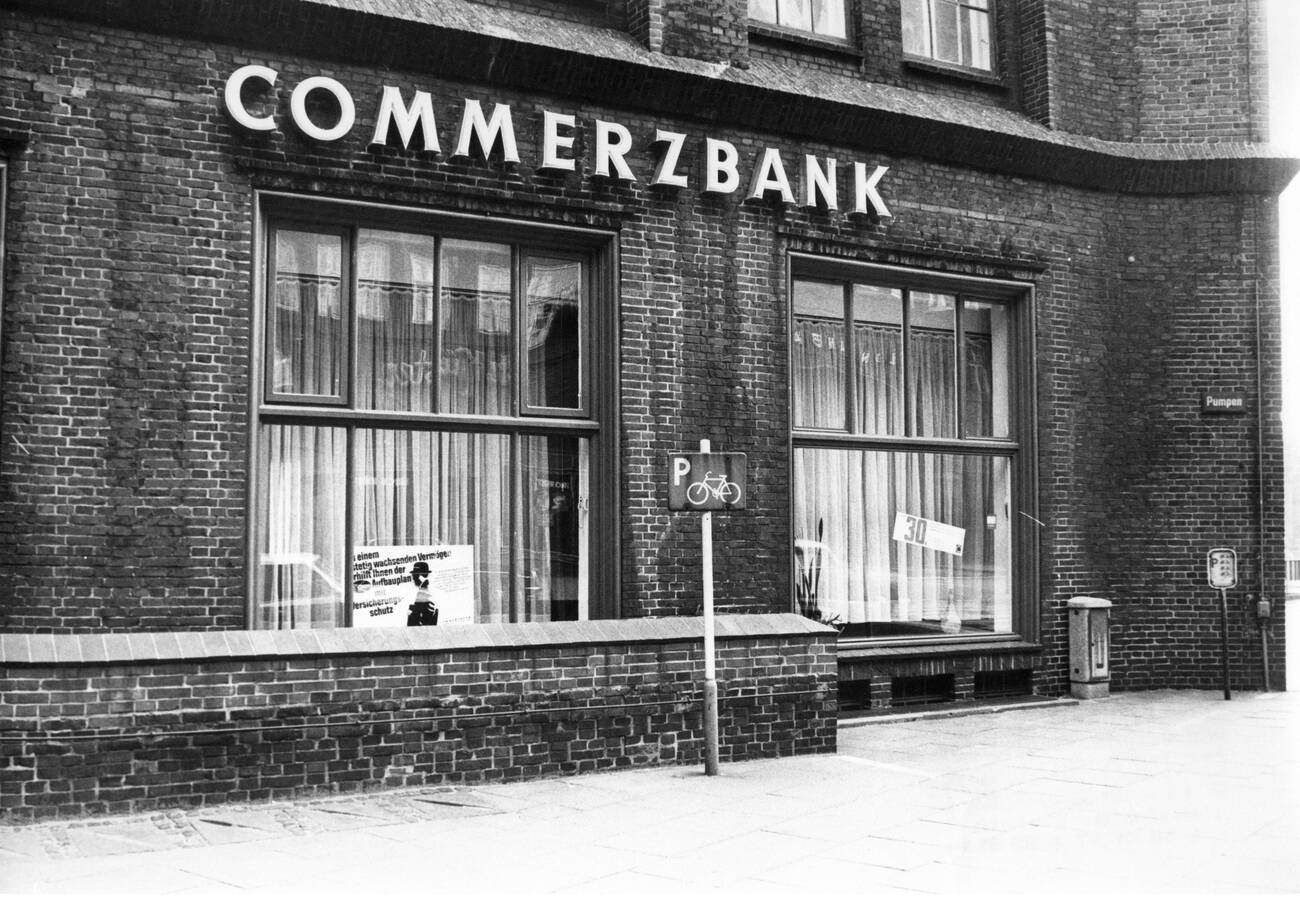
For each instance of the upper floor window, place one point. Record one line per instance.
(949, 31)
(824, 18)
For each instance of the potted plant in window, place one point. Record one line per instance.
(807, 583)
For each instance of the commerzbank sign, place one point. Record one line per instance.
(806, 180)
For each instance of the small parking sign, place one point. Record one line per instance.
(1221, 564)
(706, 482)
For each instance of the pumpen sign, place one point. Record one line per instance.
(810, 182)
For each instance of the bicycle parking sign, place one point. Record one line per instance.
(704, 482)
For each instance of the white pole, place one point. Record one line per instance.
(710, 668)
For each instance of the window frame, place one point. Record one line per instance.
(772, 29)
(347, 240)
(596, 421)
(931, 61)
(1019, 446)
(582, 409)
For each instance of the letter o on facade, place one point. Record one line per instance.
(298, 107)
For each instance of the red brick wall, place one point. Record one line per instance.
(123, 465)
(1156, 71)
(205, 722)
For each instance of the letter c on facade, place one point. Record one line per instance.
(235, 106)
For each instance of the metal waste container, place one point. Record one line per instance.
(1089, 647)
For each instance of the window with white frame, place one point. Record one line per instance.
(824, 18)
(950, 31)
(426, 431)
(907, 453)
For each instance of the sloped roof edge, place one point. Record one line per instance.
(472, 41)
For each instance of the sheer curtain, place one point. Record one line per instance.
(429, 488)
(308, 321)
(395, 326)
(847, 563)
(300, 560)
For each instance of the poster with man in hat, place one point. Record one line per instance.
(425, 585)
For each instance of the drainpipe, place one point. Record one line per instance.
(1262, 605)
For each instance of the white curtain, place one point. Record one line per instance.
(307, 311)
(300, 562)
(422, 488)
(395, 324)
(847, 563)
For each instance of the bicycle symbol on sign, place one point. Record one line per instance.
(716, 485)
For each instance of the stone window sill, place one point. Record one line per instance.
(960, 73)
(930, 648)
(806, 40)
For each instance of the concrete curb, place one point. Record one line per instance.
(872, 719)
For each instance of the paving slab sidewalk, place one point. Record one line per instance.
(1143, 792)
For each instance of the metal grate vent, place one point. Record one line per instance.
(1013, 683)
(911, 690)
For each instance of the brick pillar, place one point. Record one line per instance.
(882, 692)
(715, 31)
(963, 684)
(1037, 49)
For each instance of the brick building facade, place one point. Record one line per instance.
(975, 281)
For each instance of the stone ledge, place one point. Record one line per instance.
(936, 649)
(17, 649)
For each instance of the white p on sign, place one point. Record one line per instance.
(1221, 567)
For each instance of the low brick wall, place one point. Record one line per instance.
(110, 723)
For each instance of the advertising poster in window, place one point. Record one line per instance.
(436, 580)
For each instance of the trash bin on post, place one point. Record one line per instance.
(1089, 647)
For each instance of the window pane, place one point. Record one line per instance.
(975, 39)
(878, 345)
(818, 355)
(986, 378)
(934, 364)
(554, 317)
(763, 10)
(307, 325)
(421, 493)
(476, 331)
(796, 14)
(849, 565)
(947, 31)
(395, 321)
(552, 529)
(300, 566)
(828, 18)
(916, 27)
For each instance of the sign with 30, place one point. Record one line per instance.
(927, 533)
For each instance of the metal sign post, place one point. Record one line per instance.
(710, 664)
(1221, 570)
(705, 482)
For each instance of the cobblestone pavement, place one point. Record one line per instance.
(1159, 791)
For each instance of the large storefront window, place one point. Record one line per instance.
(425, 432)
(905, 456)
